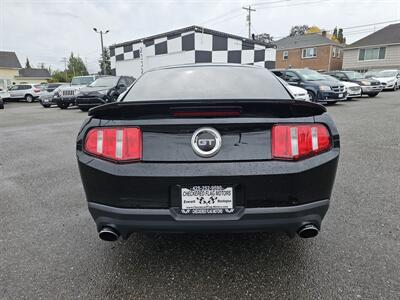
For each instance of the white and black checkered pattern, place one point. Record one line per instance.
(188, 45)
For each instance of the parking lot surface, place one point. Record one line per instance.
(49, 247)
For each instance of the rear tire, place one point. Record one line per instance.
(83, 108)
(331, 103)
(372, 95)
(1, 105)
(46, 106)
(29, 98)
(63, 105)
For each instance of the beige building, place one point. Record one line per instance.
(377, 51)
(9, 68)
(12, 73)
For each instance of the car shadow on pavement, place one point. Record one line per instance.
(197, 261)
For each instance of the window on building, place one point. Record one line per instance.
(285, 55)
(334, 52)
(309, 53)
(372, 53)
(338, 53)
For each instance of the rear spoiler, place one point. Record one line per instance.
(246, 108)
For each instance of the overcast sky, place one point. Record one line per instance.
(46, 31)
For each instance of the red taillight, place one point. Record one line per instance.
(120, 144)
(292, 142)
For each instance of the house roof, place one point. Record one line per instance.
(302, 41)
(9, 59)
(35, 73)
(387, 35)
(192, 28)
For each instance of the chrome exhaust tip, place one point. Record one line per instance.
(308, 231)
(108, 234)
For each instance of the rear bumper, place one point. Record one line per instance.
(276, 219)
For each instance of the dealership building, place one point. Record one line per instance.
(188, 45)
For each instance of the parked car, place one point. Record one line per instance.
(353, 89)
(370, 73)
(389, 78)
(3, 95)
(29, 92)
(297, 92)
(102, 90)
(318, 88)
(196, 148)
(48, 95)
(369, 86)
(67, 95)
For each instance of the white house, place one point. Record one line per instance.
(193, 44)
(379, 50)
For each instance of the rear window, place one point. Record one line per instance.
(207, 82)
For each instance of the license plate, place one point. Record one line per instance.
(340, 95)
(210, 199)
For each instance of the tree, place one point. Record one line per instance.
(75, 66)
(263, 38)
(298, 30)
(313, 29)
(340, 36)
(27, 64)
(335, 33)
(105, 62)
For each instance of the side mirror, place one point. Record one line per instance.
(121, 86)
(398, 76)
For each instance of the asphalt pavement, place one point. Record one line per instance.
(49, 248)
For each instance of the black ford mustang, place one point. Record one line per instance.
(208, 148)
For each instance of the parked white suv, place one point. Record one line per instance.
(29, 92)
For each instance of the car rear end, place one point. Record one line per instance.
(150, 166)
(36, 90)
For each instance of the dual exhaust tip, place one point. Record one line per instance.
(108, 234)
(111, 235)
(308, 231)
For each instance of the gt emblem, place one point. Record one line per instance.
(206, 142)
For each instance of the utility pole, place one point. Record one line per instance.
(102, 47)
(249, 10)
(64, 59)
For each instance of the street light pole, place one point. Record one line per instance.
(102, 47)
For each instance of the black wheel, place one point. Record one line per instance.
(312, 96)
(372, 95)
(29, 98)
(46, 106)
(395, 87)
(1, 105)
(63, 105)
(83, 108)
(349, 99)
(331, 102)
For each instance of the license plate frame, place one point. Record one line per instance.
(207, 199)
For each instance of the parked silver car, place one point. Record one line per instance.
(29, 92)
(49, 94)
